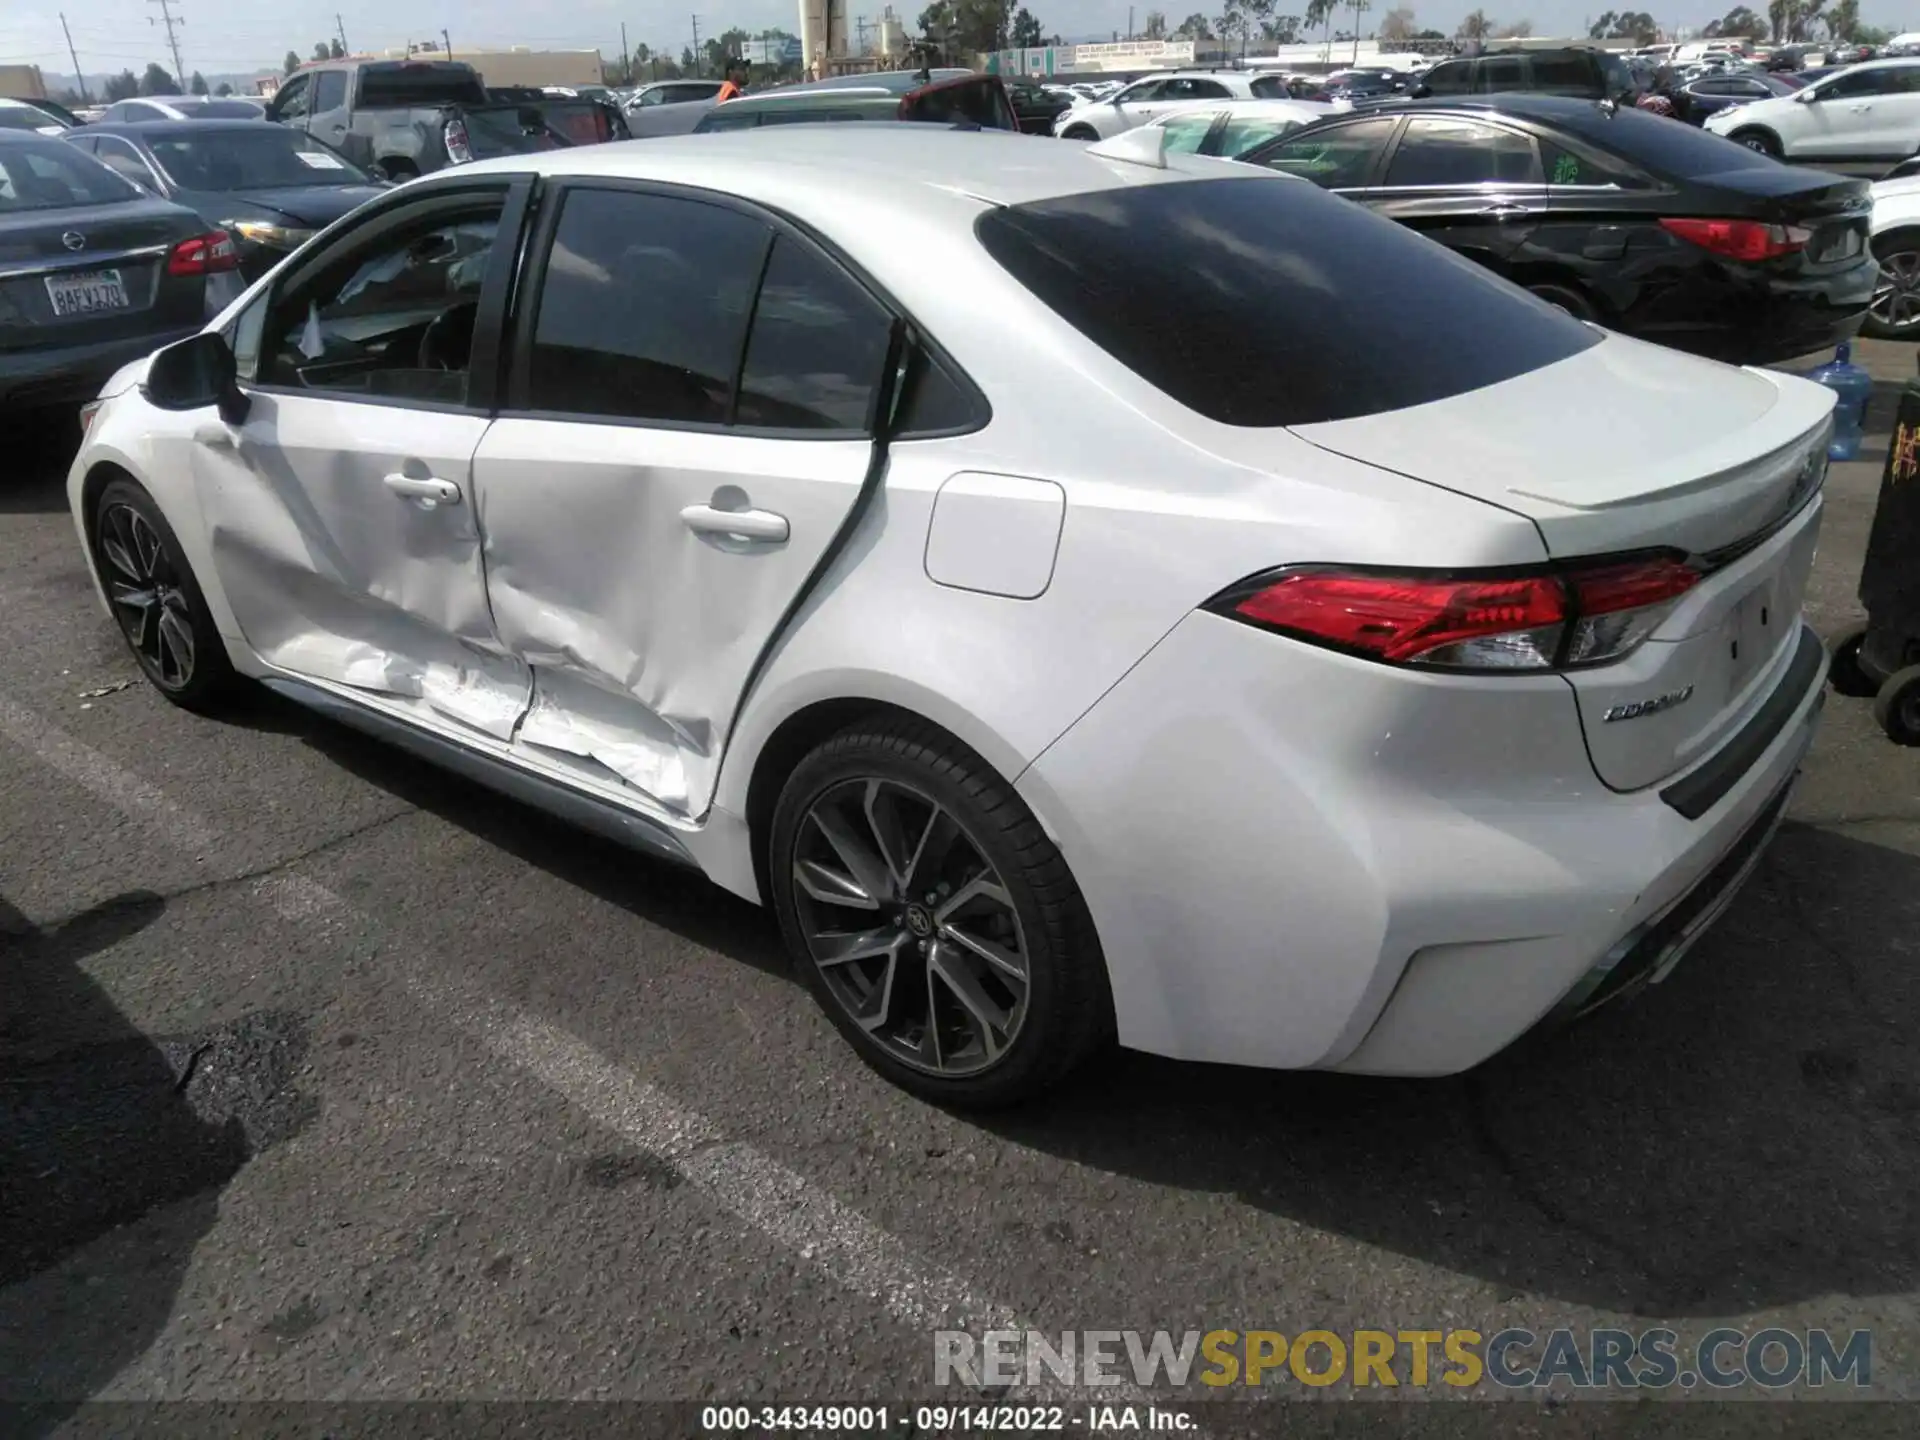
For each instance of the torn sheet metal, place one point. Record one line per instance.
(578, 718)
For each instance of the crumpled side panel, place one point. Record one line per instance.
(576, 717)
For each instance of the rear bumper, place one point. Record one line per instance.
(73, 374)
(1314, 862)
(1757, 318)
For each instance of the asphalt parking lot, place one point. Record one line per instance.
(325, 1077)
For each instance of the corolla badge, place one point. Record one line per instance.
(1634, 709)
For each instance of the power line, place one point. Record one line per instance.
(166, 12)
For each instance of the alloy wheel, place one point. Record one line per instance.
(1896, 294)
(911, 927)
(143, 583)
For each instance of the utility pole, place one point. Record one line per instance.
(340, 29)
(172, 44)
(446, 43)
(698, 67)
(75, 58)
(626, 57)
(1130, 22)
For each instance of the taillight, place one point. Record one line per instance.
(1532, 621)
(1739, 239)
(204, 255)
(459, 147)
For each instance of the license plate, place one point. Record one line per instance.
(1755, 631)
(86, 292)
(1839, 244)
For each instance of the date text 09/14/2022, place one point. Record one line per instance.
(940, 1419)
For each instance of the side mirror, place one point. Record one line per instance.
(1806, 97)
(195, 373)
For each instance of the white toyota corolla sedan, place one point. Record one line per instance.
(1083, 591)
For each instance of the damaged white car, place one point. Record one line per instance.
(1084, 591)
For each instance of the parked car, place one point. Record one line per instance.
(1034, 105)
(96, 272)
(1895, 311)
(1860, 113)
(939, 97)
(670, 107)
(402, 118)
(1144, 99)
(1616, 216)
(1334, 780)
(269, 187)
(25, 115)
(1575, 70)
(182, 107)
(1707, 95)
(1230, 128)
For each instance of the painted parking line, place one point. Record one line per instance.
(756, 1189)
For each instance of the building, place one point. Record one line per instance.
(22, 82)
(774, 54)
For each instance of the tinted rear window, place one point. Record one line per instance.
(1265, 302)
(1680, 152)
(401, 86)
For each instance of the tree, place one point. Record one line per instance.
(1321, 10)
(223, 89)
(336, 50)
(1281, 29)
(1194, 27)
(687, 62)
(197, 85)
(1477, 26)
(1634, 25)
(123, 86)
(1154, 27)
(158, 82)
(1027, 33)
(1518, 30)
(1358, 7)
(292, 62)
(1843, 19)
(1396, 24)
(1792, 20)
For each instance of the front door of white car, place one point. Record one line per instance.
(1869, 113)
(1128, 108)
(686, 433)
(340, 514)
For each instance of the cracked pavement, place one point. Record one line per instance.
(241, 1158)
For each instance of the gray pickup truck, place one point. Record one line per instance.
(403, 118)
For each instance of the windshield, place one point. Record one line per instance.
(1266, 301)
(237, 158)
(53, 175)
(24, 117)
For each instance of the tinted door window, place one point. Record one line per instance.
(1211, 292)
(1453, 78)
(1564, 167)
(1145, 90)
(1438, 151)
(644, 308)
(329, 91)
(119, 156)
(1503, 72)
(980, 103)
(1338, 158)
(393, 320)
(817, 347)
(1871, 81)
(1242, 132)
(1563, 75)
(1191, 89)
(1269, 87)
(292, 101)
(1187, 133)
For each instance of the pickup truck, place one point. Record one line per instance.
(403, 118)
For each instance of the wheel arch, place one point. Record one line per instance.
(1772, 136)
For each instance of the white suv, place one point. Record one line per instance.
(1136, 104)
(1863, 113)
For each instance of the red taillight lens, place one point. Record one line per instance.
(459, 147)
(204, 255)
(1508, 622)
(1739, 239)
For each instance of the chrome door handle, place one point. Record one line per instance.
(429, 492)
(746, 524)
(1504, 210)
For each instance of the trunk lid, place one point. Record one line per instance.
(128, 241)
(1836, 210)
(1628, 446)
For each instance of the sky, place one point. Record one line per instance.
(233, 36)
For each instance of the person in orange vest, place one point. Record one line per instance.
(736, 75)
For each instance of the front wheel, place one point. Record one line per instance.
(155, 597)
(933, 919)
(1759, 140)
(1897, 706)
(1080, 132)
(1894, 311)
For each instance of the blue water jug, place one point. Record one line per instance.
(1851, 387)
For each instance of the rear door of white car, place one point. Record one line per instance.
(686, 434)
(1864, 114)
(341, 514)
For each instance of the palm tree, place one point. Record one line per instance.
(1357, 6)
(1319, 10)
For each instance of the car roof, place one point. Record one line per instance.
(1235, 105)
(885, 82)
(1578, 113)
(159, 129)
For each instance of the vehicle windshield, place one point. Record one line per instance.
(53, 175)
(24, 117)
(243, 158)
(1266, 301)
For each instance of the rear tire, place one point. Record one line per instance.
(157, 601)
(1764, 141)
(1843, 671)
(933, 919)
(1897, 706)
(1079, 132)
(1569, 298)
(399, 171)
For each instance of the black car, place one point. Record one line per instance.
(1573, 70)
(1703, 95)
(1654, 229)
(267, 186)
(94, 272)
(1036, 108)
(924, 96)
